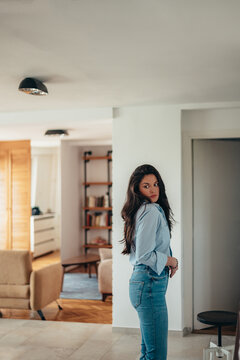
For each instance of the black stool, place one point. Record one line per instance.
(219, 319)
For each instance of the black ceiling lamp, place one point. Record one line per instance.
(33, 86)
(56, 132)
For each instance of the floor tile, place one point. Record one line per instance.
(59, 337)
(91, 350)
(51, 340)
(43, 353)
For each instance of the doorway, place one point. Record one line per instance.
(216, 225)
(86, 226)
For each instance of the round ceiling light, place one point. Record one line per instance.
(33, 86)
(56, 132)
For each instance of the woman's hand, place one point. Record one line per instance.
(172, 263)
(173, 271)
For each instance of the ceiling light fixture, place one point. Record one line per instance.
(33, 86)
(56, 132)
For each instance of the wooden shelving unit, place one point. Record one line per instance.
(98, 208)
(97, 227)
(108, 157)
(107, 209)
(109, 183)
(97, 246)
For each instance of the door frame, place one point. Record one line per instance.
(187, 215)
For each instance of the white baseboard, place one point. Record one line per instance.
(136, 331)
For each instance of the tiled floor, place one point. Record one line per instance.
(46, 340)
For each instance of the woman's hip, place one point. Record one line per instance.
(146, 290)
(145, 274)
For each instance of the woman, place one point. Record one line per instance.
(147, 230)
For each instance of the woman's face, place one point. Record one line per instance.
(149, 187)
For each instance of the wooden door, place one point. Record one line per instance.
(21, 202)
(16, 181)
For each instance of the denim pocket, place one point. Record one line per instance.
(135, 292)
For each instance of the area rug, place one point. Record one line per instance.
(80, 286)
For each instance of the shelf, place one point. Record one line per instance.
(96, 203)
(97, 227)
(97, 157)
(98, 208)
(97, 246)
(97, 183)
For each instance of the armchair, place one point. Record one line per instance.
(105, 273)
(23, 288)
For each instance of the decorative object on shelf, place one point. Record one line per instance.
(36, 211)
(33, 87)
(98, 210)
(106, 200)
(100, 202)
(98, 219)
(99, 241)
(95, 201)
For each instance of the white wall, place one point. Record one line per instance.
(145, 135)
(198, 124)
(44, 178)
(213, 123)
(83, 124)
(45, 183)
(70, 190)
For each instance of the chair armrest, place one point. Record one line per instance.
(105, 276)
(45, 286)
(105, 253)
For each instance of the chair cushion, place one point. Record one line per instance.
(11, 303)
(15, 291)
(16, 267)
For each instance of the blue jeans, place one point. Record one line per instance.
(147, 292)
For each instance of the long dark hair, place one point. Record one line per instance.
(135, 199)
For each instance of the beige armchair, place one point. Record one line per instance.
(105, 273)
(23, 288)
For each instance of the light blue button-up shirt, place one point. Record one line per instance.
(152, 238)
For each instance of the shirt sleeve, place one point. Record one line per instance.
(146, 229)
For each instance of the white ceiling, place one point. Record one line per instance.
(110, 53)
(80, 133)
(119, 52)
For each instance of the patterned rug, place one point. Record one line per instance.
(80, 286)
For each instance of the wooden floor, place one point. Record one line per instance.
(87, 311)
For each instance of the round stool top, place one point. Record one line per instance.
(217, 317)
